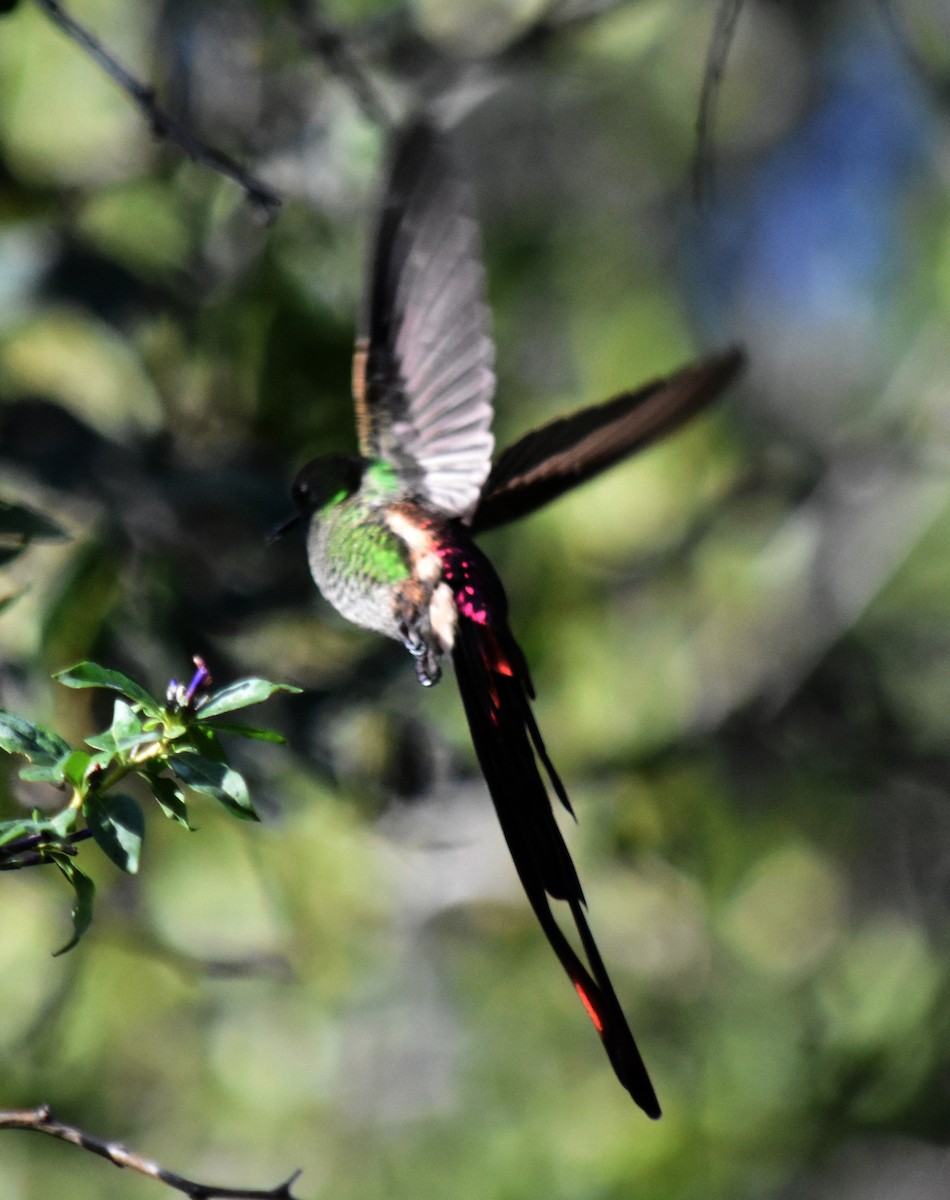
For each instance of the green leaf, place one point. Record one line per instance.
(106, 741)
(18, 521)
(204, 739)
(215, 779)
(125, 724)
(170, 798)
(118, 827)
(248, 731)
(12, 831)
(101, 761)
(44, 772)
(63, 823)
(23, 737)
(241, 694)
(125, 732)
(90, 674)
(85, 891)
(75, 767)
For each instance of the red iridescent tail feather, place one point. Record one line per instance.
(496, 692)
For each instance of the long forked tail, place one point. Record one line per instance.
(496, 692)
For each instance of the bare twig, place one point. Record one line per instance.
(163, 125)
(727, 17)
(321, 36)
(41, 1120)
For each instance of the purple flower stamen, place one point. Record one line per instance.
(181, 697)
(202, 678)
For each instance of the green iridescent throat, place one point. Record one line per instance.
(380, 480)
(358, 535)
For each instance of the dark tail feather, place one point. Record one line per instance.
(549, 461)
(495, 691)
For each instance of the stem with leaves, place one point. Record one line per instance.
(170, 745)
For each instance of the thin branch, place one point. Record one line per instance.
(727, 17)
(41, 1120)
(38, 859)
(163, 125)
(321, 36)
(29, 851)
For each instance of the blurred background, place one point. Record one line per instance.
(740, 641)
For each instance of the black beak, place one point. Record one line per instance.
(284, 527)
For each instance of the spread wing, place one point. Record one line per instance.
(422, 374)
(550, 461)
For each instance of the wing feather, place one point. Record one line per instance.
(424, 390)
(550, 461)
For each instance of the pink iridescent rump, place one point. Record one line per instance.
(458, 568)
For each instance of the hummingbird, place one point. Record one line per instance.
(390, 529)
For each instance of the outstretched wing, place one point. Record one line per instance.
(422, 376)
(552, 460)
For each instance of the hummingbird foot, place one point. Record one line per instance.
(428, 671)
(427, 665)
(416, 633)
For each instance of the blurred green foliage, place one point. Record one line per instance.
(739, 641)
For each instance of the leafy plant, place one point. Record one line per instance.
(172, 745)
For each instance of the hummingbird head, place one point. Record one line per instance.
(326, 480)
(322, 481)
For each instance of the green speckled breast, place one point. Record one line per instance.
(355, 561)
